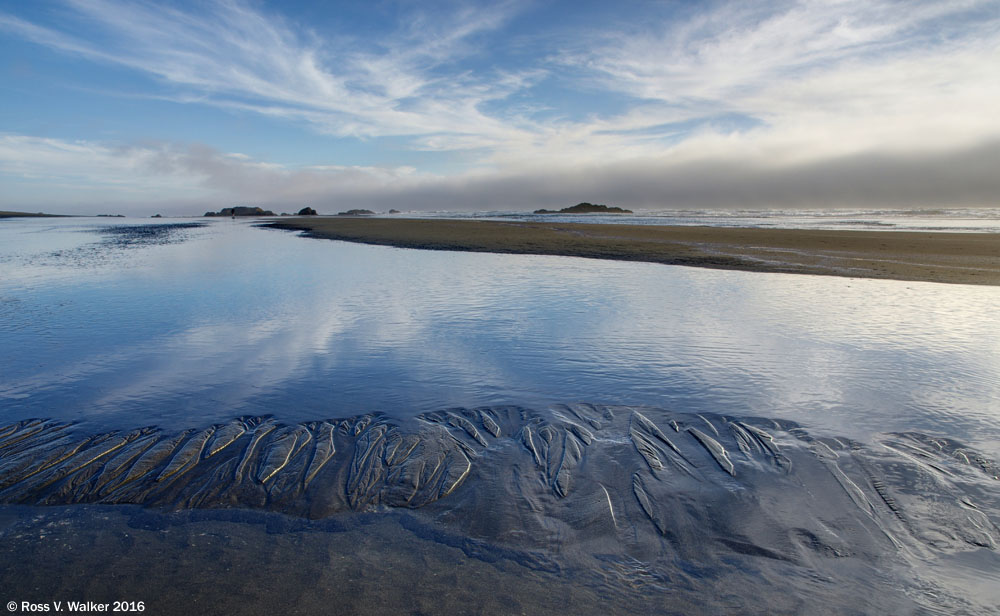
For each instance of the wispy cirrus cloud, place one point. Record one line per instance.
(233, 55)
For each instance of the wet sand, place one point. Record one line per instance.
(964, 258)
(577, 508)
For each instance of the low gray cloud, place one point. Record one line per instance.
(960, 178)
(191, 179)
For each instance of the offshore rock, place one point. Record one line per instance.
(241, 211)
(586, 208)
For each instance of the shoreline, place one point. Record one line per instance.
(957, 258)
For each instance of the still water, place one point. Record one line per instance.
(112, 325)
(227, 319)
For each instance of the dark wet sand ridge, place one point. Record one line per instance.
(967, 258)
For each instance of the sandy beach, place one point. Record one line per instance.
(963, 258)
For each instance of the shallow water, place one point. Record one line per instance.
(114, 326)
(958, 220)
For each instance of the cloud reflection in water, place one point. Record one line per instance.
(238, 320)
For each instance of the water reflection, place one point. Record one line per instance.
(237, 320)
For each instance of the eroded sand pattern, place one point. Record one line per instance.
(576, 485)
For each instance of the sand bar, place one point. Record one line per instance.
(965, 258)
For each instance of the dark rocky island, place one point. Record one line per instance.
(586, 208)
(241, 211)
(306, 211)
(356, 213)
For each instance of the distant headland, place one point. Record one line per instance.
(587, 208)
(4, 214)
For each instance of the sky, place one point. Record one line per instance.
(135, 107)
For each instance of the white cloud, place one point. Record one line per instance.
(824, 79)
(173, 178)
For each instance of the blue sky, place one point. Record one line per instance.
(135, 107)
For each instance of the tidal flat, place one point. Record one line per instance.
(221, 417)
